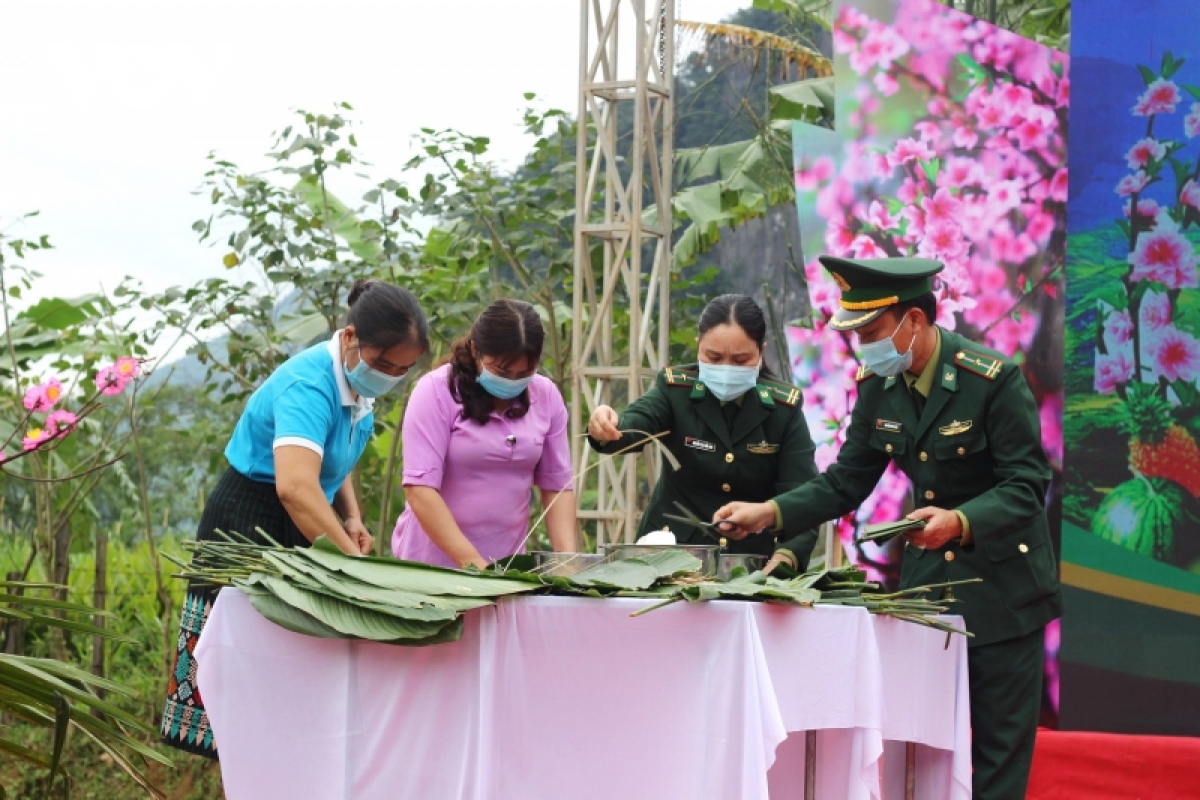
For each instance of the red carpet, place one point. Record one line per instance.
(1105, 766)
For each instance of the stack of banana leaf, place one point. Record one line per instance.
(320, 591)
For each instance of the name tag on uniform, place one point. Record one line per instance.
(762, 448)
(699, 444)
(888, 425)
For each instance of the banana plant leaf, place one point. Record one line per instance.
(359, 620)
(637, 573)
(421, 606)
(288, 616)
(410, 576)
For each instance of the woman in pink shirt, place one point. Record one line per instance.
(479, 433)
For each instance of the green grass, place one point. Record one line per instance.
(141, 666)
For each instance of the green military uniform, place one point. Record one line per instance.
(971, 444)
(749, 449)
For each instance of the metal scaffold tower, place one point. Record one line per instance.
(621, 333)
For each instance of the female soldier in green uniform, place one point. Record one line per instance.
(736, 434)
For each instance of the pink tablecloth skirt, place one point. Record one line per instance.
(549, 697)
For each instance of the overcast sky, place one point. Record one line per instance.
(109, 108)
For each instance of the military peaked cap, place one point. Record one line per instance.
(871, 285)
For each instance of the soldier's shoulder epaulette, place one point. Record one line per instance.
(779, 392)
(680, 376)
(988, 366)
(863, 373)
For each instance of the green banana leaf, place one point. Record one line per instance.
(391, 573)
(356, 619)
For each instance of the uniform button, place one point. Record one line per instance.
(929, 495)
(729, 458)
(888, 448)
(924, 456)
(1024, 548)
(725, 487)
(949, 555)
(962, 451)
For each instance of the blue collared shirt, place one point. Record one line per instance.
(306, 403)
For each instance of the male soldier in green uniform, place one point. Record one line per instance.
(960, 422)
(736, 434)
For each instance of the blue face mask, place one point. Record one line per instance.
(502, 388)
(882, 358)
(370, 382)
(728, 382)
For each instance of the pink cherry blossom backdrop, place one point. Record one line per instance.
(950, 144)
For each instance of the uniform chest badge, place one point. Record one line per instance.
(888, 425)
(699, 444)
(955, 428)
(762, 448)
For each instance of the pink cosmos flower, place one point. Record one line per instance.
(128, 367)
(1062, 97)
(1118, 328)
(1190, 196)
(866, 247)
(109, 382)
(1041, 227)
(990, 280)
(886, 84)
(808, 179)
(1132, 184)
(1111, 370)
(929, 131)
(907, 150)
(1050, 414)
(1163, 255)
(113, 379)
(1191, 123)
(1147, 208)
(34, 438)
(1031, 133)
(1144, 152)
(42, 397)
(1175, 355)
(1058, 186)
(60, 423)
(964, 138)
(942, 206)
(1160, 97)
(1005, 195)
(1155, 311)
(880, 47)
(1013, 249)
(877, 215)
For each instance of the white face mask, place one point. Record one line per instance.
(882, 358)
(728, 382)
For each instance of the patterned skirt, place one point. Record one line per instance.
(236, 504)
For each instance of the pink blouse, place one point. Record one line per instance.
(483, 472)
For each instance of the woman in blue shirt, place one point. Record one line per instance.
(290, 458)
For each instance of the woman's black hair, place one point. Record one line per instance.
(507, 330)
(925, 303)
(739, 310)
(385, 315)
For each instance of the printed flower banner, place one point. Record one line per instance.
(1131, 502)
(949, 144)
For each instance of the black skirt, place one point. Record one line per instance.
(237, 505)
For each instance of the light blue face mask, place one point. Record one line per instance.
(502, 388)
(728, 382)
(370, 382)
(882, 358)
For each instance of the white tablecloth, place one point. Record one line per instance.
(550, 697)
